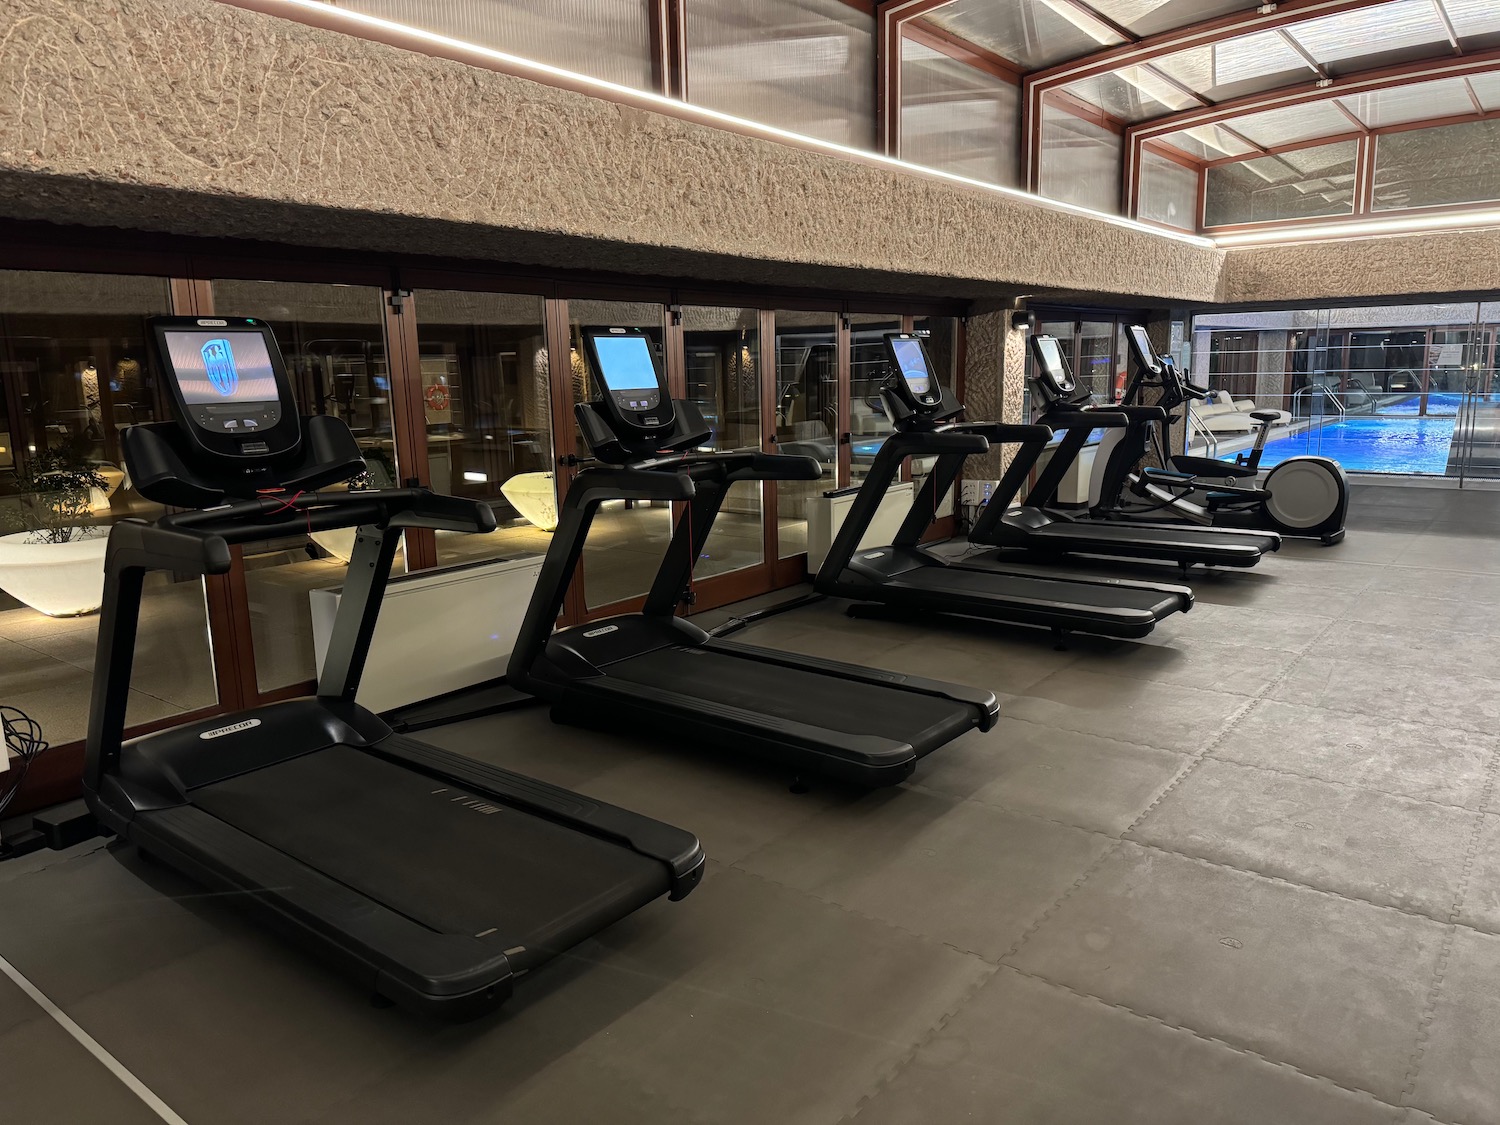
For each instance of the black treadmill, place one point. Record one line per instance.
(1037, 526)
(906, 578)
(432, 879)
(655, 672)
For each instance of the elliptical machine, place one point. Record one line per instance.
(1301, 496)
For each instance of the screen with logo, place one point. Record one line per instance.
(913, 363)
(1140, 344)
(226, 378)
(627, 372)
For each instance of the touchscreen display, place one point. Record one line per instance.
(226, 378)
(1052, 358)
(1142, 346)
(627, 371)
(913, 363)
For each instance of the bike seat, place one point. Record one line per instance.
(1266, 415)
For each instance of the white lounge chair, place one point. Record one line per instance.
(1221, 414)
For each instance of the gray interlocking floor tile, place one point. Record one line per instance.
(1388, 850)
(1027, 1051)
(1333, 986)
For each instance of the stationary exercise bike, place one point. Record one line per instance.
(1301, 496)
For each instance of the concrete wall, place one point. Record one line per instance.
(1411, 265)
(200, 118)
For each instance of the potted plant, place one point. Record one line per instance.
(55, 561)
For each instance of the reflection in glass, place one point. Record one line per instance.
(74, 371)
(1436, 167)
(333, 339)
(1304, 183)
(487, 407)
(868, 368)
(803, 65)
(722, 352)
(1169, 192)
(628, 537)
(1080, 161)
(807, 384)
(958, 119)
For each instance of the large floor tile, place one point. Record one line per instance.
(1097, 783)
(1027, 1051)
(1481, 903)
(1196, 661)
(1457, 1078)
(1460, 700)
(1166, 716)
(1436, 650)
(1475, 589)
(1431, 551)
(1392, 851)
(1256, 627)
(1332, 986)
(1411, 759)
(966, 874)
(1439, 611)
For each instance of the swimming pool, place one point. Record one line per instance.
(1390, 443)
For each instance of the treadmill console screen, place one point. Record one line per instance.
(1051, 365)
(230, 385)
(632, 390)
(1140, 348)
(909, 355)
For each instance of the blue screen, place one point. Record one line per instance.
(625, 364)
(913, 363)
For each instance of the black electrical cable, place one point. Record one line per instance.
(23, 734)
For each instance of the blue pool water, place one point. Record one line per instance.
(1403, 443)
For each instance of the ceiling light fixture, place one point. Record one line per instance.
(1412, 225)
(325, 14)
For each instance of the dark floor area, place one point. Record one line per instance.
(1245, 871)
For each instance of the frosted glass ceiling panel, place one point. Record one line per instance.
(1474, 17)
(1292, 124)
(1246, 64)
(1487, 87)
(1207, 142)
(1401, 104)
(1366, 31)
(1031, 33)
(1147, 17)
(1132, 94)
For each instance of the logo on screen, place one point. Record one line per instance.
(218, 364)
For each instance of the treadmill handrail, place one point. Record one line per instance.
(248, 520)
(1092, 417)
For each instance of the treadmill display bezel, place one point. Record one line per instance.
(1058, 378)
(276, 429)
(648, 416)
(933, 395)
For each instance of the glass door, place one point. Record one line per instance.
(807, 412)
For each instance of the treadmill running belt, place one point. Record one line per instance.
(959, 580)
(799, 694)
(1196, 538)
(377, 827)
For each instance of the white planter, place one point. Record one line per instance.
(534, 495)
(58, 579)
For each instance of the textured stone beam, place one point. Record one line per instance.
(192, 117)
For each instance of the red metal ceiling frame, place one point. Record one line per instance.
(1143, 51)
(930, 35)
(891, 16)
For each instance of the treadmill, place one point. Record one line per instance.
(1036, 526)
(906, 578)
(654, 672)
(432, 879)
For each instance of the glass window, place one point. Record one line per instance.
(333, 338)
(1432, 167)
(629, 537)
(74, 371)
(807, 411)
(1080, 161)
(609, 39)
(487, 405)
(942, 346)
(803, 65)
(1169, 192)
(1419, 101)
(1293, 123)
(1032, 33)
(721, 347)
(957, 118)
(868, 368)
(1305, 183)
